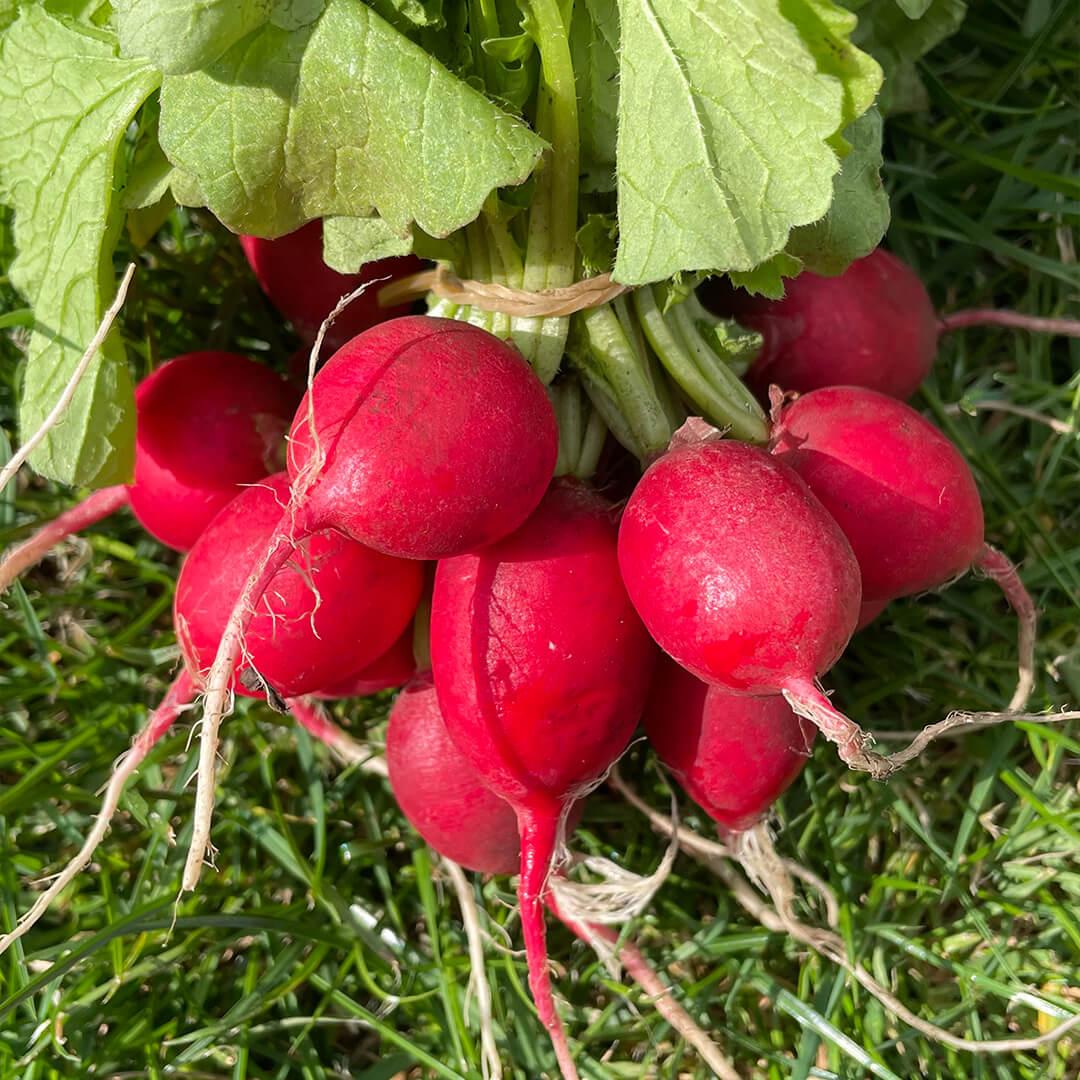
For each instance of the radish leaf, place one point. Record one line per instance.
(730, 117)
(339, 117)
(66, 100)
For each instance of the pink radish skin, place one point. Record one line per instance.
(903, 495)
(874, 325)
(337, 604)
(394, 668)
(207, 423)
(422, 438)
(541, 668)
(291, 272)
(737, 570)
(869, 610)
(743, 577)
(437, 439)
(734, 755)
(440, 792)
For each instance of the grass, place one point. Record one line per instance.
(328, 945)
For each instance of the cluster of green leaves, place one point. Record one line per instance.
(719, 137)
(328, 945)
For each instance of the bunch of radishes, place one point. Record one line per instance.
(425, 440)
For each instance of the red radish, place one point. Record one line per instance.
(291, 271)
(449, 806)
(734, 755)
(434, 438)
(421, 438)
(393, 668)
(541, 668)
(903, 495)
(874, 325)
(440, 792)
(742, 576)
(207, 423)
(338, 605)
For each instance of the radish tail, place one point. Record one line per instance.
(849, 739)
(217, 691)
(180, 693)
(538, 826)
(960, 320)
(995, 565)
(660, 994)
(831, 946)
(32, 550)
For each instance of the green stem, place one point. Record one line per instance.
(592, 445)
(550, 247)
(566, 397)
(699, 370)
(623, 388)
(480, 269)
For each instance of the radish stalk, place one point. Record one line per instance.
(551, 250)
(90, 511)
(699, 369)
(1016, 320)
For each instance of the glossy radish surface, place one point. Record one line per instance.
(291, 271)
(393, 668)
(541, 668)
(734, 755)
(207, 423)
(905, 498)
(873, 325)
(333, 608)
(900, 490)
(440, 792)
(737, 569)
(436, 438)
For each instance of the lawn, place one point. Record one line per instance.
(328, 943)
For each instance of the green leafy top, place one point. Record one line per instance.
(728, 114)
(65, 102)
(708, 135)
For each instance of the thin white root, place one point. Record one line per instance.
(831, 946)
(218, 702)
(28, 447)
(608, 946)
(316, 352)
(179, 695)
(478, 983)
(959, 723)
(620, 896)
